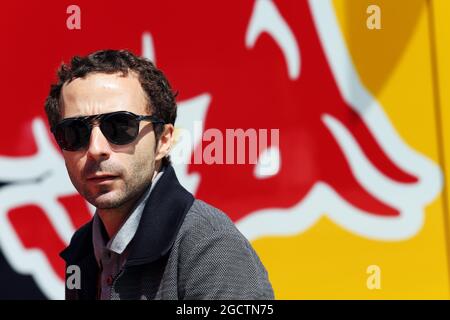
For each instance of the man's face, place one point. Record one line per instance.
(127, 169)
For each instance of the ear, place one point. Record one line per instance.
(165, 142)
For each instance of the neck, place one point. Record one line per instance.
(114, 218)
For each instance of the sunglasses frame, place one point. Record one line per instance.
(89, 121)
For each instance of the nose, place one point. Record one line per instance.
(98, 145)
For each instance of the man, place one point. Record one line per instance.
(112, 114)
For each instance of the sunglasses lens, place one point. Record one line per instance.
(120, 128)
(72, 135)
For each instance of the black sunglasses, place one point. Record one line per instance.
(120, 128)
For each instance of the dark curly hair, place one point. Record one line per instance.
(161, 99)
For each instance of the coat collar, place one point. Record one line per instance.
(161, 219)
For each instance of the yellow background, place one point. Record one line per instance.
(401, 65)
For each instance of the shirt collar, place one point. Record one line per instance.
(123, 237)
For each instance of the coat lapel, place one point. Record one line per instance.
(161, 219)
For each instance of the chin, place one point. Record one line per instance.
(109, 200)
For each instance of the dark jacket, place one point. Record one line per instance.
(183, 249)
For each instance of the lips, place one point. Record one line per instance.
(101, 178)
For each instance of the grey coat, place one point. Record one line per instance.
(184, 248)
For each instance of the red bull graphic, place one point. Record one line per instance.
(350, 162)
(254, 64)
